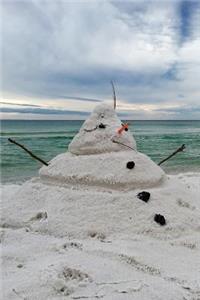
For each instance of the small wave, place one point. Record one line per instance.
(38, 137)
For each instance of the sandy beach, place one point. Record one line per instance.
(88, 244)
(80, 231)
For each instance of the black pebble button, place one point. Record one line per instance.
(159, 219)
(130, 165)
(144, 196)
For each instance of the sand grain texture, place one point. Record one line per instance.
(127, 256)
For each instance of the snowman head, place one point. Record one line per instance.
(97, 132)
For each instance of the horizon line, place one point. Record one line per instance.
(86, 119)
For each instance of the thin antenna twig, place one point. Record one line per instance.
(114, 94)
(29, 152)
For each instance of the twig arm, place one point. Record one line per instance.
(180, 149)
(114, 94)
(28, 151)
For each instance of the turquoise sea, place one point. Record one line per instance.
(46, 139)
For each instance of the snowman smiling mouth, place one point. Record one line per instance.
(101, 126)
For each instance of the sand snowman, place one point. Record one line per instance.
(80, 230)
(103, 156)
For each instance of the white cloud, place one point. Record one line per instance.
(57, 48)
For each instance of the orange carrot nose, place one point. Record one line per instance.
(122, 128)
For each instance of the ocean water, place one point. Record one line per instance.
(46, 139)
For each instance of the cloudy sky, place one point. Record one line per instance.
(58, 58)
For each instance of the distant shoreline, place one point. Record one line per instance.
(132, 120)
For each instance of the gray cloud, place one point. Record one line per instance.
(19, 104)
(42, 111)
(79, 98)
(181, 110)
